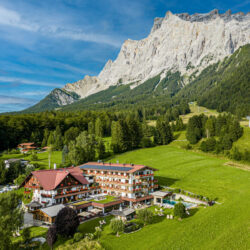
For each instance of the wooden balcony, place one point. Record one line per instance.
(117, 189)
(113, 175)
(143, 175)
(113, 182)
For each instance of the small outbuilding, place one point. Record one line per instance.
(159, 196)
(124, 214)
(48, 214)
(34, 205)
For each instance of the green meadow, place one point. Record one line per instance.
(226, 225)
(56, 157)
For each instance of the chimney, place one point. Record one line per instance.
(54, 165)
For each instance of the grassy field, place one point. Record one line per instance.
(223, 226)
(198, 110)
(56, 157)
(244, 142)
(34, 232)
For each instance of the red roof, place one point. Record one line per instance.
(26, 144)
(50, 179)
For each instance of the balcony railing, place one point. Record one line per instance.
(113, 182)
(117, 189)
(113, 175)
(143, 175)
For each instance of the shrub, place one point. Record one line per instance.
(188, 147)
(14, 151)
(98, 232)
(179, 210)
(34, 156)
(145, 215)
(131, 227)
(78, 237)
(176, 190)
(26, 234)
(117, 226)
(236, 154)
(146, 142)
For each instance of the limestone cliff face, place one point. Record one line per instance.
(62, 98)
(177, 42)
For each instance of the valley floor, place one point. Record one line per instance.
(225, 225)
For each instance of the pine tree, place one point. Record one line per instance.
(58, 139)
(71, 134)
(45, 137)
(65, 152)
(99, 128)
(194, 129)
(119, 134)
(51, 139)
(91, 128)
(100, 149)
(163, 134)
(209, 127)
(134, 134)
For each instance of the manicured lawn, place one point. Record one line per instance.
(80, 203)
(107, 199)
(34, 232)
(223, 226)
(89, 226)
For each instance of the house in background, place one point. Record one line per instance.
(26, 147)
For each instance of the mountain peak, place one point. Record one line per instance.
(177, 42)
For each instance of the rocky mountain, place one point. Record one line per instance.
(181, 43)
(57, 98)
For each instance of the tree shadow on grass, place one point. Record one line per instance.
(192, 212)
(176, 136)
(166, 181)
(157, 219)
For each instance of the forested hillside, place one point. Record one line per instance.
(224, 86)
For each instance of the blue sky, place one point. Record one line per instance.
(46, 44)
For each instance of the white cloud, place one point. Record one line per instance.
(35, 93)
(14, 19)
(15, 100)
(28, 81)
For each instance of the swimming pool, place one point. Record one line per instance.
(172, 203)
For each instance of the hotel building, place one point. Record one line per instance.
(133, 183)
